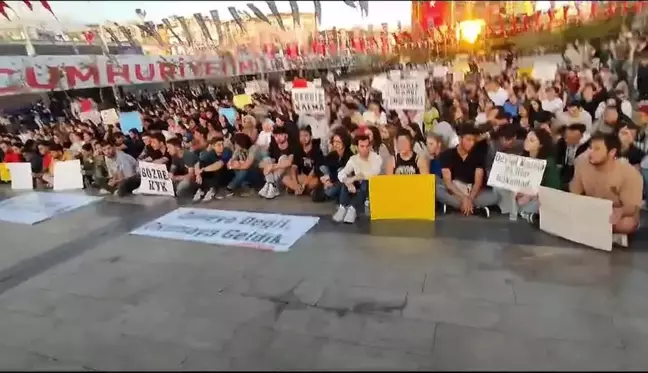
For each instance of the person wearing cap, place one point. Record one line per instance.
(573, 143)
(573, 114)
(464, 178)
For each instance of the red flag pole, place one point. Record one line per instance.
(3, 9)
(46, 5)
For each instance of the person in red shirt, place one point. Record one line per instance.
(11, 152)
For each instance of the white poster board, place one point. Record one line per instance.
(34, 207)
(317, 82)
(93, 116)
(379, 83)
(67, 175)
(440, 71)
(21, 176)
(309, 100)
(406, 94)
(581, 219)
(516, 173)
(155, 179)
(269, 232)
(395, 75)
(256, 86)
(109, 116)
(354, 85)
(544, 71)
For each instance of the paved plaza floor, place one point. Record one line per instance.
(77, 292)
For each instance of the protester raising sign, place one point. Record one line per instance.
(155, 179)
(406, 94)
(309, 100)
(516, 173)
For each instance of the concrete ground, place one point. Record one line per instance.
(78, 292)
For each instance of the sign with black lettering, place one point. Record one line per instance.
(516, 173)
(310, 100)
(271, 232)
(155, 180)
(406, 94)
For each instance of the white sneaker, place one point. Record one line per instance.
(264, 191)
(272, 192)
(620, 239)
(104, 192)
(209, 195)
(198, 196)
(339, 214)
(350, 216)
(136, 191)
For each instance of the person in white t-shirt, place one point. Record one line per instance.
(552, 103)
(374, 116)
(497, 94)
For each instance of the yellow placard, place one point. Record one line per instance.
(5, 175)
(525, 71)
(402, 197)
(241, 100)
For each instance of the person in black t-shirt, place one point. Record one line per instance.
(182, 169)
(310, 156)
(280, 165)
(463, 185)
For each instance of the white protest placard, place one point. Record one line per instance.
(354, 85)
(93, 116)
(406, 94)
(394, 74)
(109, 116)
(516, 173)
(155, 179)
(581, 219)
(257, 86)
(317, 82)
(270, 232)
(309, 100)
(67, 175)
(440, 71)
(379, 83)
(34, 207)
(544, 72)
(21, 176)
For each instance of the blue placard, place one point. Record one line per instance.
(130, 120)
(229, 113)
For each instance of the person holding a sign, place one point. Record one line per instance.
(464, 177)
(538, 145)
(406, 161)
(182, 170)
(601, 175)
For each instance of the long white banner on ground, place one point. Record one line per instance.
(20, 74)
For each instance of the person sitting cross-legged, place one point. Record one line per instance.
(464, 177)
(601, 175)
(182, 171)
(355, 180)
(122, 171)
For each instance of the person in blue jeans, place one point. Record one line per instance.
(355, 180)
(244, 159)
(334, 161)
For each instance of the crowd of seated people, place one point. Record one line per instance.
(214, 150)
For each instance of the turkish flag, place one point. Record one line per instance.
(300, 83)
(435, 13)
